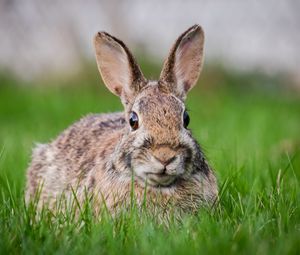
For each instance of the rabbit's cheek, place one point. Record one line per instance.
(141, 170)
(139, 138)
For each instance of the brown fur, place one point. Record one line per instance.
(101, 155)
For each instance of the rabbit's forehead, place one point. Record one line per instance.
(160, 110)
(160, 103)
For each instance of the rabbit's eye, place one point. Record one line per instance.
(186, 119)
(133, 120)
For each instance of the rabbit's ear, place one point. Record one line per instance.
(183, 65)
(117, 66)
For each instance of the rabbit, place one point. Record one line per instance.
(147, 149)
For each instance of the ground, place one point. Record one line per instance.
(249, 127)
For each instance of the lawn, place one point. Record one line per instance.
(249, 128)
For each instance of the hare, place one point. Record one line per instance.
(147, 149)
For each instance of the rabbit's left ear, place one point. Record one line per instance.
(118, 68)
(183, 65)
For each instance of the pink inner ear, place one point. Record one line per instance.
(188, 61)
(186, 86)
(185, 45)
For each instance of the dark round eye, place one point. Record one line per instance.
(186, 119)
(133, 120)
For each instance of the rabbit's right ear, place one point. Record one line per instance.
(117, 66)
(183, 65)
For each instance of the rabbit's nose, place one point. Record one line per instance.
(164, 154)
(165, 161)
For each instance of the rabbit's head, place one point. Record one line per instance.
(159, 147)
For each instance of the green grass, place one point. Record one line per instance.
(249, 129)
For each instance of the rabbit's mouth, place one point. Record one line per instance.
(160, 174)
(160, 179)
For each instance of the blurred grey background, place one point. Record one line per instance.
(51, 36)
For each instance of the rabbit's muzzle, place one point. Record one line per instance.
(163, 167)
